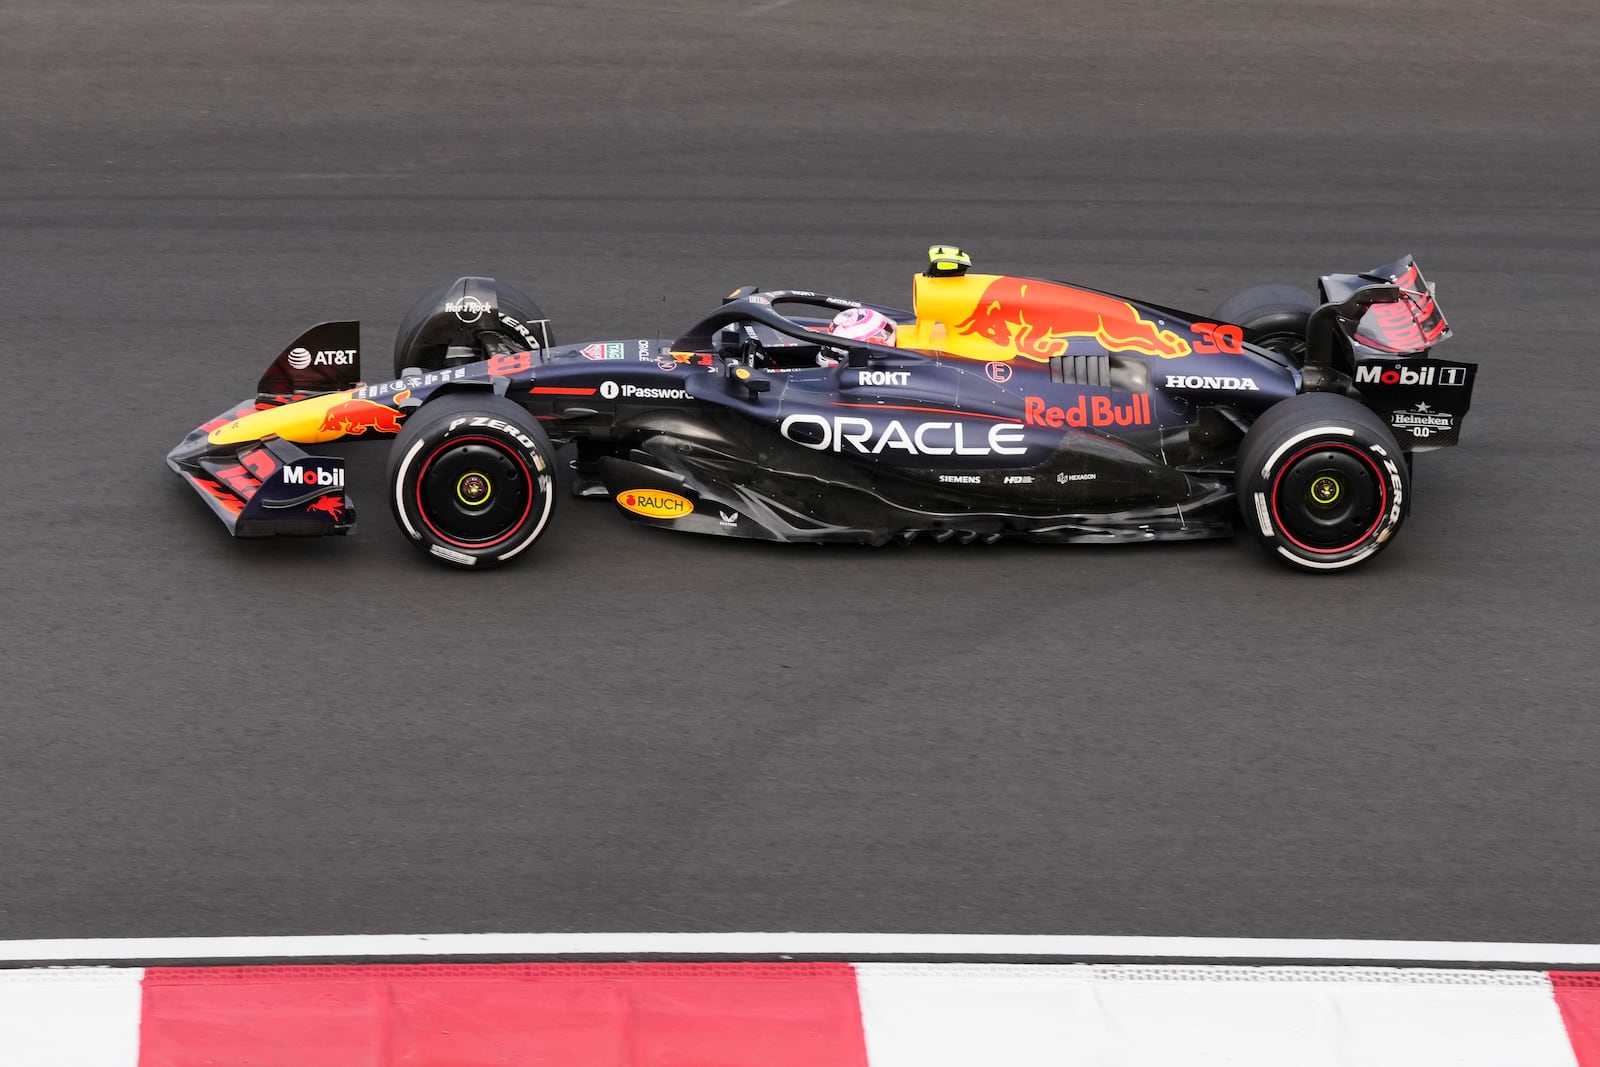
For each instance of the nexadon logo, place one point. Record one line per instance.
(654, 503)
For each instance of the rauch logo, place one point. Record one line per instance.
(654, 504)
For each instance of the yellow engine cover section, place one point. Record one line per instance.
(996, 317)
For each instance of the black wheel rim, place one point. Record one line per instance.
(474, 492)
(1329, 498)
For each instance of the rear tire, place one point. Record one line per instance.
(1322, 482)
(1273, 316)
(471, 479)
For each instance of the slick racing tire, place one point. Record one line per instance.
(471, 479)
(1322, 482)
(427, 331)
(1273, 316)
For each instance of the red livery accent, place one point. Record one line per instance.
(1088, 411)
(229, 502)
(1039, 319)
(515, 363)
(780, 1015)
(330, 506)
(260, 463)
(1219, 337)
(356, 417)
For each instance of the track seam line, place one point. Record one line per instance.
(837, 945)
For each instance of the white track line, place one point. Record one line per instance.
(835, 946)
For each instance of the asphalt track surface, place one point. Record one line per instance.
(639, 731)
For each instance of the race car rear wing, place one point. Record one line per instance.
(1408, 324)
(1371, 339)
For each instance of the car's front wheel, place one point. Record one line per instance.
(471, 479)
(1322, 482)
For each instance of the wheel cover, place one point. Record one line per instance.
(1329, 498)
(474, 492)
(474, 488)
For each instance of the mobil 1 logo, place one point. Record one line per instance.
(1414, 372)
(1423, 400)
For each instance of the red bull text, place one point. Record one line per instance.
(1088, 411)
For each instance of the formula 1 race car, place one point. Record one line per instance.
(998, 406)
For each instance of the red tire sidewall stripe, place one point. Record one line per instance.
(422, 512)
(1383, 487)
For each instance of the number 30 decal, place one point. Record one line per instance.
(515, 363)
(1215, 337)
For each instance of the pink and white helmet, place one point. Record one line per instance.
(863, 324)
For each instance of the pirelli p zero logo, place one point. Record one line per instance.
(654, 503)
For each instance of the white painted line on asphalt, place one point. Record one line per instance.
(835, 946)
(762, 9)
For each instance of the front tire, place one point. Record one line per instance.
(471, 480)
(501, 318)
(1322, 482)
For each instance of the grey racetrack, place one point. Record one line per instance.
(632, 730)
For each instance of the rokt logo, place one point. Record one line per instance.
(883, 377)
(293, 474)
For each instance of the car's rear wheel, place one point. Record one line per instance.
(471, 479)
(1273, 316)
(1322, 482)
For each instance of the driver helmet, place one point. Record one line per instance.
(863, 324)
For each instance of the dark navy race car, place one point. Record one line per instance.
(997, 407)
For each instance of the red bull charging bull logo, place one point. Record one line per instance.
(1038, 320)
(355, 417)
